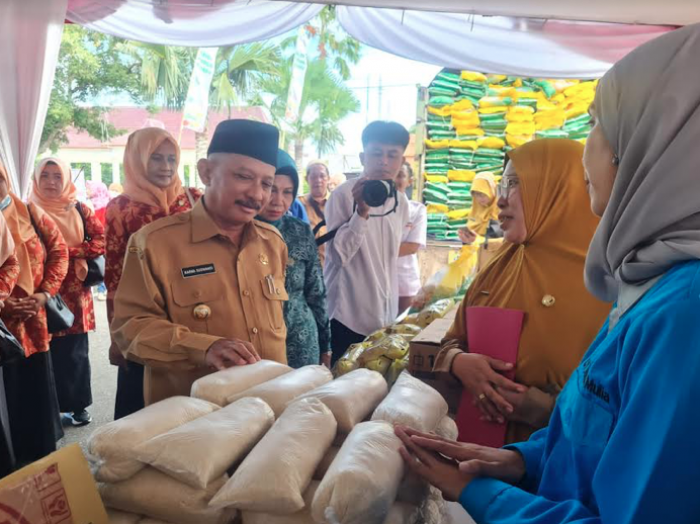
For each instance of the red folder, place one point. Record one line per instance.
(494, 332)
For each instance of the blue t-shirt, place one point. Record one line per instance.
(621, 443)
(297, 210)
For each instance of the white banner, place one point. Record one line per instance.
(296, 84)
(197, 104)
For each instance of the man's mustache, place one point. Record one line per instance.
(249, 204)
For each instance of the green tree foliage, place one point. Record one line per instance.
(90, 66)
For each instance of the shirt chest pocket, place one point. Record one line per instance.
(586, 422)
(275, 295)
(194, 301)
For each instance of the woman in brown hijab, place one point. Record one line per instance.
(152, 190)
(547, 222)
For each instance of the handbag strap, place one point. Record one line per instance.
(81, 212)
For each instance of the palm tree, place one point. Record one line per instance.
(166, 72)
(325, 101)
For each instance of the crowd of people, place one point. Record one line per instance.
(599, 410)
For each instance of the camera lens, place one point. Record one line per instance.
(376, 192)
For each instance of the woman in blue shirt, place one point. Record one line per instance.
(621, 445)
(306, 316)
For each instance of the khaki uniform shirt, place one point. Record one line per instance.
(186, 285)
(315, 219)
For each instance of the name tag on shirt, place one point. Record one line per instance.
(198, 271)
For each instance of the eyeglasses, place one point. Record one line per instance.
(505, 186)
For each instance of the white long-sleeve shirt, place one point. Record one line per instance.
(361, 261)
(415, 232)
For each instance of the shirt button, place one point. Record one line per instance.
(255, 331)
(246, 293)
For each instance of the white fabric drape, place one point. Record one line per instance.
(668, 12)
(30, 39)
(516, 46)
(212, 23)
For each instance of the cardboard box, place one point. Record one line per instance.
(422, 355)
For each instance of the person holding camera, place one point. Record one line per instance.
(368, 216)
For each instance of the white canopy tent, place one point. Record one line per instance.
(534, 38)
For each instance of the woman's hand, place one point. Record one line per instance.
(442, 473)
(39, 300)
(22, 309)
(466, 235)
(475, 460)
(480, 375)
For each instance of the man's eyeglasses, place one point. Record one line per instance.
(506, 185)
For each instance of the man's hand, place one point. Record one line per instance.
(227, 353)
(362, 207)
(478, 461)
(439, 471)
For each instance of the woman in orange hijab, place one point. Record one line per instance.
(547, 222)
(32, 403)
(152, 190)
(54, 192)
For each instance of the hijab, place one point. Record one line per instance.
(549, 264)
(285, 166)
(98, 194)
(139, 148)
(648, 106)
(480, 216)
(19, 223)
(7, 245)
(62, 209)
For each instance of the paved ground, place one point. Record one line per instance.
(104, 382)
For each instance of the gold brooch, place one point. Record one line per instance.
(548, 301)
(263, 259)
(201, 312)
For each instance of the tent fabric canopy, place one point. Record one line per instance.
(653, 12)
(517, 46)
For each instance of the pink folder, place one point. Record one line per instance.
(494, 332)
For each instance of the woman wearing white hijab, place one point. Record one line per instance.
(621, 446)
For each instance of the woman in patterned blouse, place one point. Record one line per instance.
(9, 271)
(32, 403)
(152, 190)
(306, 316)
(54, 192)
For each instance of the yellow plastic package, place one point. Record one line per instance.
(437, 179)
(380, 365)
(463, 144)
(434, 209)
(461, 175)
(393, 347)
(404, 329)
(444, 111)
(437, 144)
(462, 105)
(470, 131)
(473, 76)
(522, 128)
(458, 213)
(491, 142)
(492, 110)
(396, 368)
(437, 310)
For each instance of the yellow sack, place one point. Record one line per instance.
(518, 140)
(470, 131)
(443, 111)
(404, 329)
(519, 118)
(462, 105)
(544, 105)
(463, 144)
(437, 179)
(492, 110)
(380, 365)
(437, 209)
(437, 144)
(461, 175)
(496, 79)
(576, 111)
(491, 142)
(348, 362)
(524, 128)
(502, 91)
(458, 213)
(392, 347)
(466, 120)
(472, 76)
(560, 85)
(521, 110)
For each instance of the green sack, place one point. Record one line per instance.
(440, 101)
(493, 153)
(437, 186)
(547, 88)
(530, 102)
(448, 77)
(434, 197)
(552, 133)
(579, 120)
(452, 86)
(441, 92)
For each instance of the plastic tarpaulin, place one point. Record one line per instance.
(517, 46)
(210, 23)
(30, 38)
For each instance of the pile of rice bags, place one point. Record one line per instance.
(474, 119)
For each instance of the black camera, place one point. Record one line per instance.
(375, 193)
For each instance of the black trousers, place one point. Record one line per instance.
(342, 338)
(7, 454)
(129, 390)
(32, 406)
(71, 367)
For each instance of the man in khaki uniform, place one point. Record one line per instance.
(204, 290)
(317, 176)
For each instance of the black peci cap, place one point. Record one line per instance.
(248, 138)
